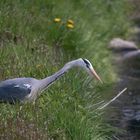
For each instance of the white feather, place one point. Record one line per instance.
(27, 85)
(16, 86)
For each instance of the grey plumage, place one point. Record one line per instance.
(17, 89)
(28, 89)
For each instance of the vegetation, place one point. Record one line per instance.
(37, 37)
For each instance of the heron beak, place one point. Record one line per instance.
(96, 75)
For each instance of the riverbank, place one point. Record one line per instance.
(36, 39)
(126, 58)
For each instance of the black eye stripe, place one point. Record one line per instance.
(87, 63)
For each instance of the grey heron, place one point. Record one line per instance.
(28, 89)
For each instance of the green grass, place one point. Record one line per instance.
(33, 45)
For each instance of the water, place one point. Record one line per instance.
(126, 109)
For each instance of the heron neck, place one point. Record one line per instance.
(51, 79)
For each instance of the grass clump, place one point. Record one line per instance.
(36, 39)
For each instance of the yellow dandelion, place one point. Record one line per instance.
(57, 20)
(39, 66)
(70, 21)
(71, 26)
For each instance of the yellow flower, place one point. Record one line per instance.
(57, 20)
(39, 66)
(70, 21)
(71, 26)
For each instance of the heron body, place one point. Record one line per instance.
(28, 89)
(17, 89)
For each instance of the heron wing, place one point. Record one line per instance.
(13, 92)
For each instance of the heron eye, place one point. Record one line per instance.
(87, 63)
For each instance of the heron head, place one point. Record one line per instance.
(89, 68)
